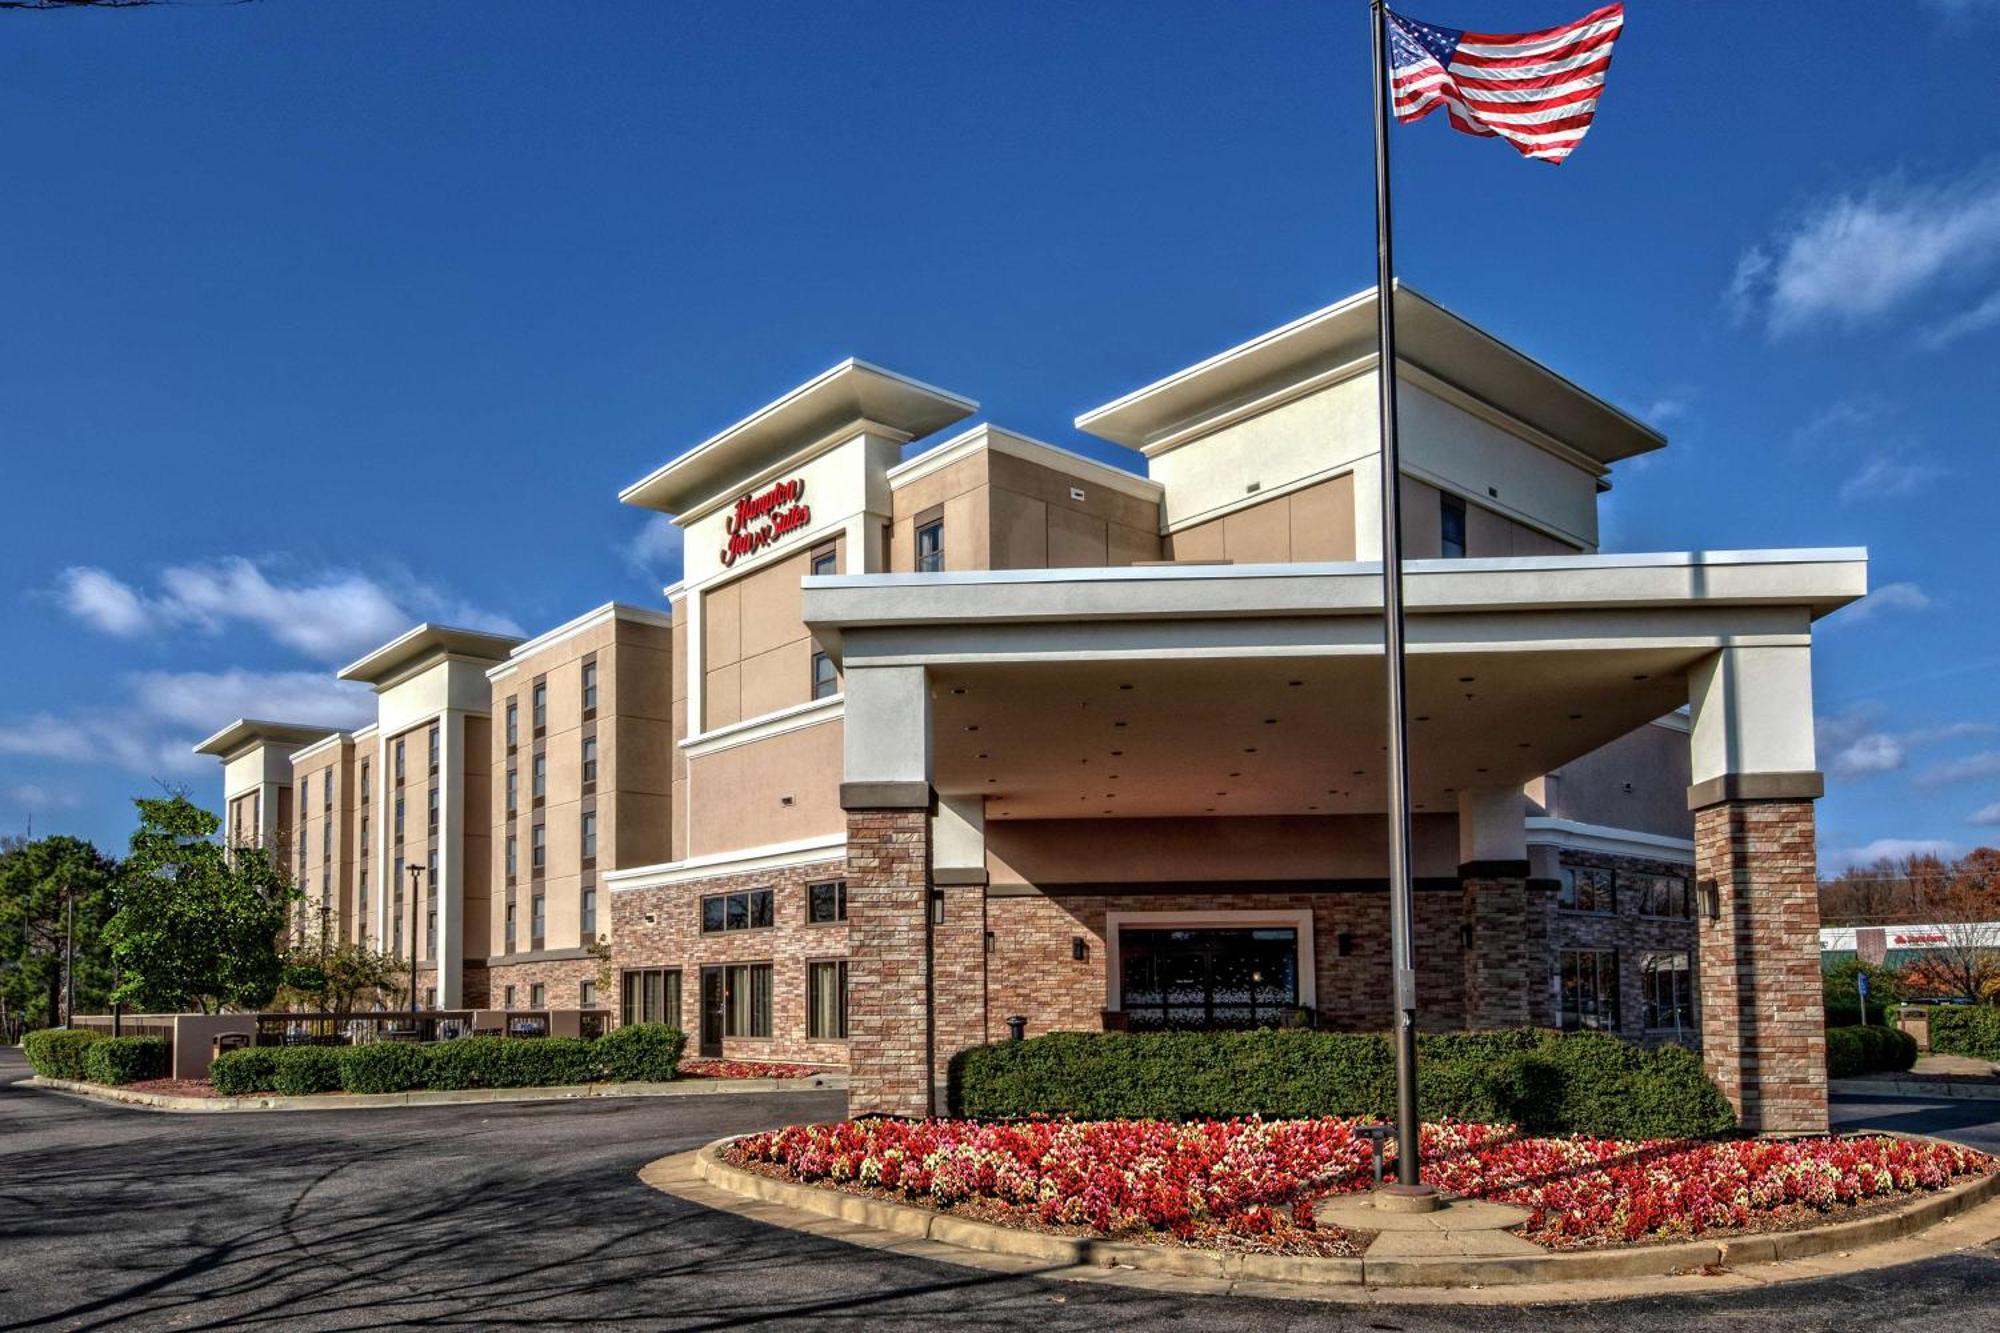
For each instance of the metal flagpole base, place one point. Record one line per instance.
(1407, 1199)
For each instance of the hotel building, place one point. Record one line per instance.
(948, 728)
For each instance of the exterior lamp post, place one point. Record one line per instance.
(416, 896)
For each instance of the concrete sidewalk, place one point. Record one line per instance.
(1958, 1077)
(346, 1101)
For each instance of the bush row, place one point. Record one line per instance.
(636, 1053)
(1868, 1049)
(84, 1055)
(1584, 1083)
(1972, 1030)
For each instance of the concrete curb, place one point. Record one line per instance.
(344, 1101)
(1907, 1087)
(1575, 1266)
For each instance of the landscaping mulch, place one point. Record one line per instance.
(174, 1087)
(747, 1069)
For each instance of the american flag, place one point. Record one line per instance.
(1536, 90)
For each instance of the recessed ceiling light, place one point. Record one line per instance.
(973, 727)
(958, 689)
(1466, 680)
(1295, 683)
(1576, 717)
(1521, 745)
(1116, 753)
(992, 779)
(1422, 717)
(1235, 775)
(1211, 809)
(1270, 721)
(1249, 749)
(1107, 812)
(1480, 770)
(1642, 678)
(1312, 807)
(983, 755)
(1114, 777)
(1359, 771)
(1222, 793)
(1124, 687)
(1117, 724)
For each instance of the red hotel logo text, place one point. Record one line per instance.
(760, 519)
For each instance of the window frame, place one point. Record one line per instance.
(1646, 881)
(1680, 998)
(839, 917)
(929, 561)
(828, 688)
(670, 997)
(749, 896)
(813, 1015)
(1450, 506)
(1568, 897)
(1605, 1014)
(753, 1011)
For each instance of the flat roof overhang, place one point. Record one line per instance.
(846, 394)
(394, 659)
(1207, 690)
(1428, 336)
(247, 731)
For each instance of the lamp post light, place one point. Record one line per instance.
(416, 901)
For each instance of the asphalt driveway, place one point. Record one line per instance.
(531, 1217)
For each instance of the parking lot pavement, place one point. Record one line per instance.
(531, 1216)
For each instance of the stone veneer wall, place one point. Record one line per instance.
(662, 928)
(1634, 937)
(1762, 1023)
(564, 978)
(893, 1064)
(1506, 968)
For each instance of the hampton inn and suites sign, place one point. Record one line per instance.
(762, 517)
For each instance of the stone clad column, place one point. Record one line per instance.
(1506, 937)
(886, 791)
(1763, 1033)
(958, 925)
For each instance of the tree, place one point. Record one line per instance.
(342, 979)
(197, 926)
(40, 882)
(1841, 997)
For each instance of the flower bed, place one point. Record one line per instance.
(745, 1069)
(1256, 1182)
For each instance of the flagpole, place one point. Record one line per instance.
(1402, 954)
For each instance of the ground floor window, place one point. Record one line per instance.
(747, 1000)
(1669, 989)
(826, 1000)
(507, 1000)
(652, 995)
(586, 995)
(538, 996)
(1589, 982)
(1208, 977)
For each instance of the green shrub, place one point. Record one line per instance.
(1867, 1050)
(1586, 1083)
(640, 1053)
(244, 1072)
(1972, 1030)
(385, 1066)
(512, 1062)
(299, 1071)
(117, 1060)
(59, 1052)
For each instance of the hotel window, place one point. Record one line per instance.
(589, 688)
(538, 848)
(930, 547)
(735, 911)
(364, 831)
(1451, 526)
(513, 790)
(1587, 889)
(513, 855)
(431, 932)
(507, 997)
(326, 842)
(399, 819)
(541, 706)
(396, 947)
(826, 560)
(399, 759)
(590, 913)
(1589, 984)
(433, 743)
(826, 1001)
(364, 784)
(430, 997)
(651, 995)
(433, 799)
(538, 781)
(364, 893)
(586, 995)
(826, 902)
(747, 1000)
(326, 889)
(825, 682)
(326, 794)
(513, 723)
(509, 948)
(305, 792)
(538, 996)
(590, 835)
(1662, 895)
(431, 874)
(590, 759)
(1669, 992)
(538, 920)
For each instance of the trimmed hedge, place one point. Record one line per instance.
(299, 1071)
(1972, 1030)
(641, 1053)
(59, 1052)
(384, 1066)
(241, 1072)
(511, 1062)
(117, 1060)
(1587, 1083)
(1867, 1050)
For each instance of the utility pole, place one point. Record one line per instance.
(69, 953)
(416, 915)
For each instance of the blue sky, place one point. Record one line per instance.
(325, 317)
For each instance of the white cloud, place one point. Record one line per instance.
(1833, 862)
(1877, 752)
(1888, 477)
(1854, 744)
(1986, 816)
(1903, 596)
(33, 799)
(655, 550)
(1860, 256)
(1971, 767)
(165, 712)
(330, 616)
(1843, 415)
(1964, 324)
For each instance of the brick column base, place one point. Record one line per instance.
(1763, 1031)
(891, 1061)
(1506, 955)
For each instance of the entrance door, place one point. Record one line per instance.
(714, 995)
(1208, 977)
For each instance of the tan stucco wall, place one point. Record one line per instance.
(1314, 523)
(738, 795)
(1004, 512)
(756, 653)
(333, 763)
(1654, 761)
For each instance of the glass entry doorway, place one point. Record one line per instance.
(1208, 977)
